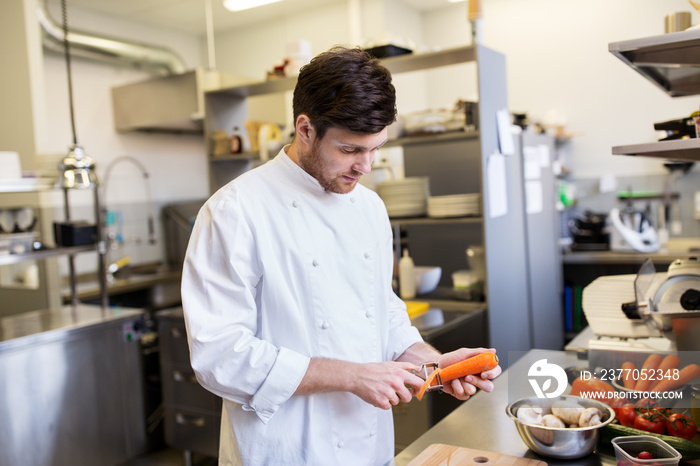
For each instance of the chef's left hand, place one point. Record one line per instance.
(465, 387)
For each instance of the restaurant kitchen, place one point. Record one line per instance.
(551, 63)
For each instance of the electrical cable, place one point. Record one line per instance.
(66, 51)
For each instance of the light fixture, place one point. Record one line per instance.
(240, 5)
(77, 168)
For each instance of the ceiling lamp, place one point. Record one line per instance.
(239, 5)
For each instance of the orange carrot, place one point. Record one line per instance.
(475, 365)
(669, 363)
(470, 366)
(685, 376)
(649, 367)
(628, 374)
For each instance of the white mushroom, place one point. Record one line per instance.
(530, 414)
(568, 411)
(590, 417)
(550, 420)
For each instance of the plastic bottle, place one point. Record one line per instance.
(236, 141)
(407, 280)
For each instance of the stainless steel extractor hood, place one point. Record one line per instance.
(168, 104)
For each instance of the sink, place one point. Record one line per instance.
(150, 286)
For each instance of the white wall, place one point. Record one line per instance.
(558, 63)
(176, 163)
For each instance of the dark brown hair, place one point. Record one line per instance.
(345, 88)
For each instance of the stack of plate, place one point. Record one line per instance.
(456, 205)
(406, 197)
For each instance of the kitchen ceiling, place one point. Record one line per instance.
(189, 15)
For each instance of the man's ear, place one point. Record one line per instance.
(305, 129)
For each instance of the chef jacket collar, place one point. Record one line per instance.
(303, 176)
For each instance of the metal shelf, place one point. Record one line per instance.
(680, 149)
(45, 253)
(400, 64)
(434, 220)
(670, 61)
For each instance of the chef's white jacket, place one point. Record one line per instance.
(279, 271)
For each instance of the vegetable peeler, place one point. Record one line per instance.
(436, 379)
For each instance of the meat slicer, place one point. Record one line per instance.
(658, 310)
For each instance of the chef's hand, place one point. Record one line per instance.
(385, 384)
(465, 387)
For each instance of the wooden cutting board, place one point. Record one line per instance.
(438, 454)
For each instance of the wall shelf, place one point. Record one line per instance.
(670, 61)
(679, 149)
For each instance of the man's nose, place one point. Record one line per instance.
(364, 163)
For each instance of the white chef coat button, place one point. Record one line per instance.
(352, 199)
(368, 314)
(341, 444)
(314, 263)
(325, 325)
(295, 203)
(372, 433)
(367, 256)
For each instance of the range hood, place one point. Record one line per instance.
(168, 104)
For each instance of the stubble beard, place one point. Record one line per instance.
(315, 165)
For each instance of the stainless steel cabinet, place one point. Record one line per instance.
(192, 414)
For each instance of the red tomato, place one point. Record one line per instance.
(646, 404)
(679, 425)
(627, 415)
(644, 455)
(650, 422)
(616, 405)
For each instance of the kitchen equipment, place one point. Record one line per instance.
(648, 305)
(562, 443)
(172, 103)
(590, 232)
(632, 231)
(74, 233)
(628, 448)
(438, 454)
(677, 129)
(427, 278)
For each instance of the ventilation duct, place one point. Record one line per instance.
(149, 58)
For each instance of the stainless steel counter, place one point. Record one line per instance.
(481, 423)
(72, 390)
(677, 248)
(41, 326)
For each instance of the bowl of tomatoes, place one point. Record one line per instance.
(644, 450)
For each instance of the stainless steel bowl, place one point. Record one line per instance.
(567, 443)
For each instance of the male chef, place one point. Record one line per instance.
(286, 288)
